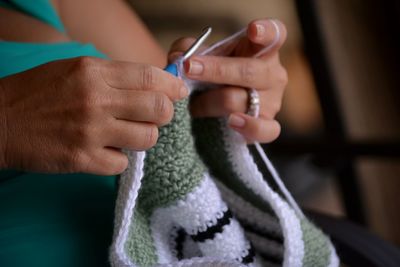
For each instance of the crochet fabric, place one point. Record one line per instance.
(197, 198)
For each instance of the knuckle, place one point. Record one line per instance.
(148, 77)
(248, 72)
(82, 136)
(283, 77)
(217, 70)
(83, 66)
(86, 90)
(90, 101)
(87, 102)
(276, 107)
(150, 137)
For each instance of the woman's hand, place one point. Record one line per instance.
(236, 73)
(74, 115)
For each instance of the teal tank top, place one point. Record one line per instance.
(49, 219)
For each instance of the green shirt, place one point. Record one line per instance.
(51, 220)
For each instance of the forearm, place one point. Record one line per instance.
(113, 28)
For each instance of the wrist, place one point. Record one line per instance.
(3, 126)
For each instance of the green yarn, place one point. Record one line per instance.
(316, 249)
(210, 145)
(140, 244)
(172, 169)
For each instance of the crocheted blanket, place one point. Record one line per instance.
(197, 198)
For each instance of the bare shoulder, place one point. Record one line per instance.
(26, 28)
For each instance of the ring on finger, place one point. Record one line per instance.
(253, 105)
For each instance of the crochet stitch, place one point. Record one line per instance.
(197, 198)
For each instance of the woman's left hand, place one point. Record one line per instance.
(237, 73)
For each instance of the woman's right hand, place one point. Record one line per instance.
(75, 115)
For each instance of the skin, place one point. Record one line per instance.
(235, 74)
(86, 133)
(93, 114)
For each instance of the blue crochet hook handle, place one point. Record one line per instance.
(173, 67)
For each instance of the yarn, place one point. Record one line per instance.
(197, 198)
(316, 251)
(211, 148)
(172, 167)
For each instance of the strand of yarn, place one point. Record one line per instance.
(219, 45)
(275, 175)
(278, 179)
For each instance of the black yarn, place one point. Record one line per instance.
(179, 240)
(211, 231)
(250, 256)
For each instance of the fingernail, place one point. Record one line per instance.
(260, 30)
(194, 67)
(236, 121)
(183, 92)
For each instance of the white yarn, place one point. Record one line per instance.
(217, 48)
(230, 244)
(196, 211)
(200, 207)
(199, 210)
(260, 151)
(249, 174)
(203, 262)
(333, 259)
(129, 186)
(247, 170)
(130, 182)
(278, 179)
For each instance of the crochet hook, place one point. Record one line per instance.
(173, 67)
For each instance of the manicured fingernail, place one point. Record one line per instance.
(260, 30)
(194, 67)
(183, 92)
(236, 121)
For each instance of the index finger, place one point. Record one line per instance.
(236, 71)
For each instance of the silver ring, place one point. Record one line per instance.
(253, 108)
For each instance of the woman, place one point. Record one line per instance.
(66, 112)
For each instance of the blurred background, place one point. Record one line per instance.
(340, 145)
